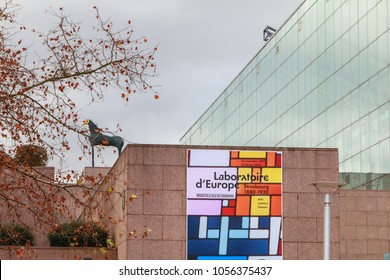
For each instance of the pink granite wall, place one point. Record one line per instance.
(26, 218)
(303, 205)
(56, 253)
(144, 202)
(157, 176)
(42, 250)
(364, 224)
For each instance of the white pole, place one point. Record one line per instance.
(327, 226)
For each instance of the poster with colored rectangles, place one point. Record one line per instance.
(234, 205)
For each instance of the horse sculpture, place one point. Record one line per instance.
(96, 137)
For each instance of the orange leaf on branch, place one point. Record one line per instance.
(37, 108)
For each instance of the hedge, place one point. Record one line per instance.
(16, 235)
(78, 234)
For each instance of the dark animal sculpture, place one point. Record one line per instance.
(96, 137)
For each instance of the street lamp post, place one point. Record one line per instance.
(326, 189)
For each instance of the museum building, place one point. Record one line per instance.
(322, 81)
(313, 106)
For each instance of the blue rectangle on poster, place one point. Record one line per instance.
(264, 223)
(216, 258)
(214, 222)
(203, 247)
(193, 227)
(248, 247)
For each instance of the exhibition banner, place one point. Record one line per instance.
(234, 205)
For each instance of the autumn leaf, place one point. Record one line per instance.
(37, 108)
(132, 233)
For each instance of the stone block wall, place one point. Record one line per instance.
(364, 224)
(303, 205)
(56, 253)
(146, 208)
(157, 175)
(156, 219)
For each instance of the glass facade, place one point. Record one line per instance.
(323, 80)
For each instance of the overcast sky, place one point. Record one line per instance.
(202, 46)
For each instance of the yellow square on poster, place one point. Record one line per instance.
(271, 175)
(252, 154)
(244, 175)
(260, 205)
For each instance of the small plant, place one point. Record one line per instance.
(78, 234)
(15, 235)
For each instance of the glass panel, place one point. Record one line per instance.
(313, 75)
(329, 28)
(384, 122)
(383, 86)
(346, 79)
(322, 127)
(371, 4)
(362, 7)
(354, 72)
(374, 130)
(329, 61)
(313, 20)
(337, 23)
(338, 115)
(330, 122)
(320, 10)
(314, 102)
(374, 93)
(372, 25)
(347, 142)
(353, 11)
(330, 95)
(355, 163)
(321, 68)
(321, 34)
(346, 110)
(329, 6)
(364, 132)
(382, 51)
(363, 63)
(322, 97)
(338, 58)
(363, 33)
(338, 85)
(354, 40)
(301, 113)
(384, 159)
(345, 48)
(374, 156)
(365, 161)
(345, 11)
(373, 58)
(314, 132)
(364, 99)
(355, 146)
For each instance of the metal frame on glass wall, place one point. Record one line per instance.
(322, 80)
